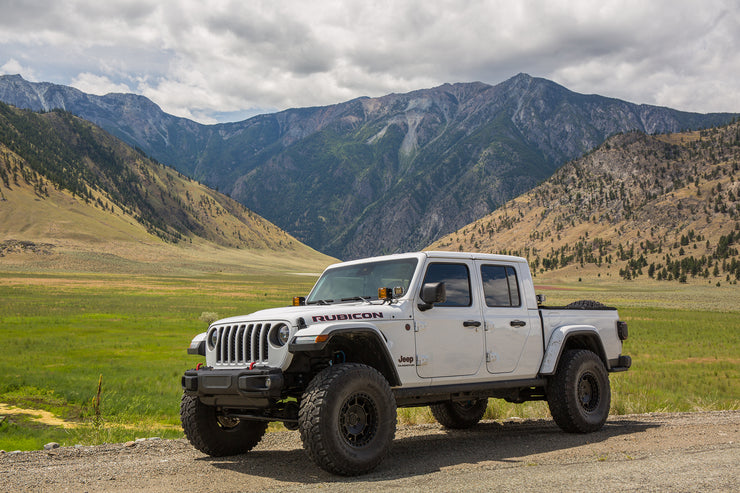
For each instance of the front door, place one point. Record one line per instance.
(450, 336)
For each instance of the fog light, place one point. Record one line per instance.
(385, 293)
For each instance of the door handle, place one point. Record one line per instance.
(517, 323)
(471, 323)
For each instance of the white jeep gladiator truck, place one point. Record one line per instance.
(439, 329)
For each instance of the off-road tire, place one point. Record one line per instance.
(347, 419)
(586, 305)
(579, 394)
(459, 415)
(214, 435)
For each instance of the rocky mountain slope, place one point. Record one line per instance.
(65, 183)
(375, 175)
(665, 207)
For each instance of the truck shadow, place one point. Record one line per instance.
(434, 449)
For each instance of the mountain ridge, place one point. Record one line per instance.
(65, 184)
(386, 174)
(665, 207)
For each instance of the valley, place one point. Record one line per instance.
(110, 261)
(74, 198)
(63, 330)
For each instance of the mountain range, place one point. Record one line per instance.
(375, 175)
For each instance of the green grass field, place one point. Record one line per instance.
(61, 332)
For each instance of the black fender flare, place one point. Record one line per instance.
(366, 343)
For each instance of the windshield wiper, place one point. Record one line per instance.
(320, 302)
(357, 298)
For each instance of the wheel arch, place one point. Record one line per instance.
(358, 344)
(572, 337)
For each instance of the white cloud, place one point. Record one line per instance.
(205, 58)
(97, 84)
(688, 60)
(14, 67)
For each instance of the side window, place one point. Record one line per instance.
(457, 282)
(500, 285)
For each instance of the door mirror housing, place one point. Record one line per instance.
(431, 293)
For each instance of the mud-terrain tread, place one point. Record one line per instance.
(202, 430)
(562, 393)
(452, 415)
(319, 429)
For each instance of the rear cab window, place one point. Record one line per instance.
(500, 286)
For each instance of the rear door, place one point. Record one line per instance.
(449, 336)
(506, 317)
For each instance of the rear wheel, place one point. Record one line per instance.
(215, 434)
(579, 394)
(347, 419)
(459, 415)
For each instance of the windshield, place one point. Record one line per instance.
(361, 281)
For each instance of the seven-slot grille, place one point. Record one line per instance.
(242, 343)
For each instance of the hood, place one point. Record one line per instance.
(311, 314)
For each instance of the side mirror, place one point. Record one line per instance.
(431, 293)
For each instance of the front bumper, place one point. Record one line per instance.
(235, 387)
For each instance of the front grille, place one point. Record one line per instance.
(242, 343)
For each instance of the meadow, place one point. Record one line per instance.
(61, 332)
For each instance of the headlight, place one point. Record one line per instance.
(212, 339)
(284, 334)
(279, 335)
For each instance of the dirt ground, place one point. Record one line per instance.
(647, 452)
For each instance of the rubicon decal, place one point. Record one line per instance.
(347, 316)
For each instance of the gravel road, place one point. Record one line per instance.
(646, 452)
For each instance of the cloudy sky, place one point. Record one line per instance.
(227, 60)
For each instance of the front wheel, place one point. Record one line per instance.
(579, 395)
(215, 434)
(347, 419)
(459, 415)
